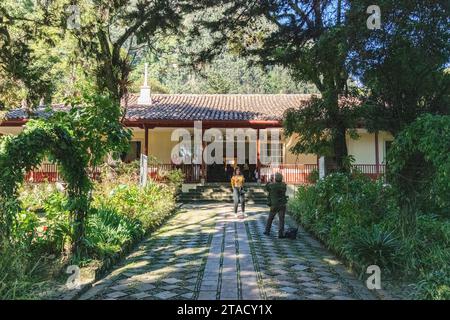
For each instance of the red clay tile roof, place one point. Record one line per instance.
(218, 107)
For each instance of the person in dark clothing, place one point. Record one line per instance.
(246, 171)
(229, 171)
(277, 202)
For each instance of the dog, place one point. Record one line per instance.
(291, 233)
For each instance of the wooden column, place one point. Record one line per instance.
(203, 167)
(258, 155)
(377, 155)
(146, 141)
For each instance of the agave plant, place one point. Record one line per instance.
(376, 247)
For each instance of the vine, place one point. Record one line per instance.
(27, 150)
(74, 140)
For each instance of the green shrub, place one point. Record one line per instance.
(56, 225)
(120, 213)
(376, 247)
(434, 286)
(18, 272)
(419, 163)
(33, 196)
(150, 205)
(107, 231)
(342, 210)
(175, 178)
(360, 219)
(313, 177)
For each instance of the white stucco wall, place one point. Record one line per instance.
(160, 145)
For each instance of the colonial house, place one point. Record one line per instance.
(154, 117)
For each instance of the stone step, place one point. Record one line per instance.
(260, 201)
(225, 195)
(221, 192)
(222, 201)
(248, 194)
(225, 190)
(216, 196)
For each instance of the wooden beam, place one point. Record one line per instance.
(141, 123)
(258, 155)
(255, 124)
(146, 141)
(377, 154)
(203, 165)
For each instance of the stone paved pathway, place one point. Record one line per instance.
(204, 252)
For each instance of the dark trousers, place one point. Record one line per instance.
(238, 197)
(273, 212)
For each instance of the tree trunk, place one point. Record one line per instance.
(339, 130)
(79, 220)
(79, 234)
(340, 149)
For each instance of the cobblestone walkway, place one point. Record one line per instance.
(204, 252)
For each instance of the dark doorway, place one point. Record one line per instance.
(134, 152)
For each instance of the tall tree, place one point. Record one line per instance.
(22, 26)
(310, 38)
(108, 35)
(402, 64)
(113, 33)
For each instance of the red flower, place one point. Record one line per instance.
(44, 228)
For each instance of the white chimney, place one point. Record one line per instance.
(145, 97)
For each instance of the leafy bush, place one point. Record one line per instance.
(118, 216)
(419, 163)
(15, 272)
(434, 286)
(107, 231)
(150, 205)
(313, 177)
(337, 206)
(44, 221)
(23, 274)
(33, 196)
(378, 247)
(360, 219)
(175, 178)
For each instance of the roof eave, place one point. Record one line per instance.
(176, 123)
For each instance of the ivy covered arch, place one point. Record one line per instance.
(419, 163)
(19, 154)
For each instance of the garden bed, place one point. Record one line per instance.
(121, 214)
(360, 221)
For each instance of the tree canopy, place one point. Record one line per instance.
(48, 51)
(396, 70)
(403, 64)
(311, 39)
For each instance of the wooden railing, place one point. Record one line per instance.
(292, 173)
(301, 173)
(191, 172)
(373, 171)
(48, 172)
